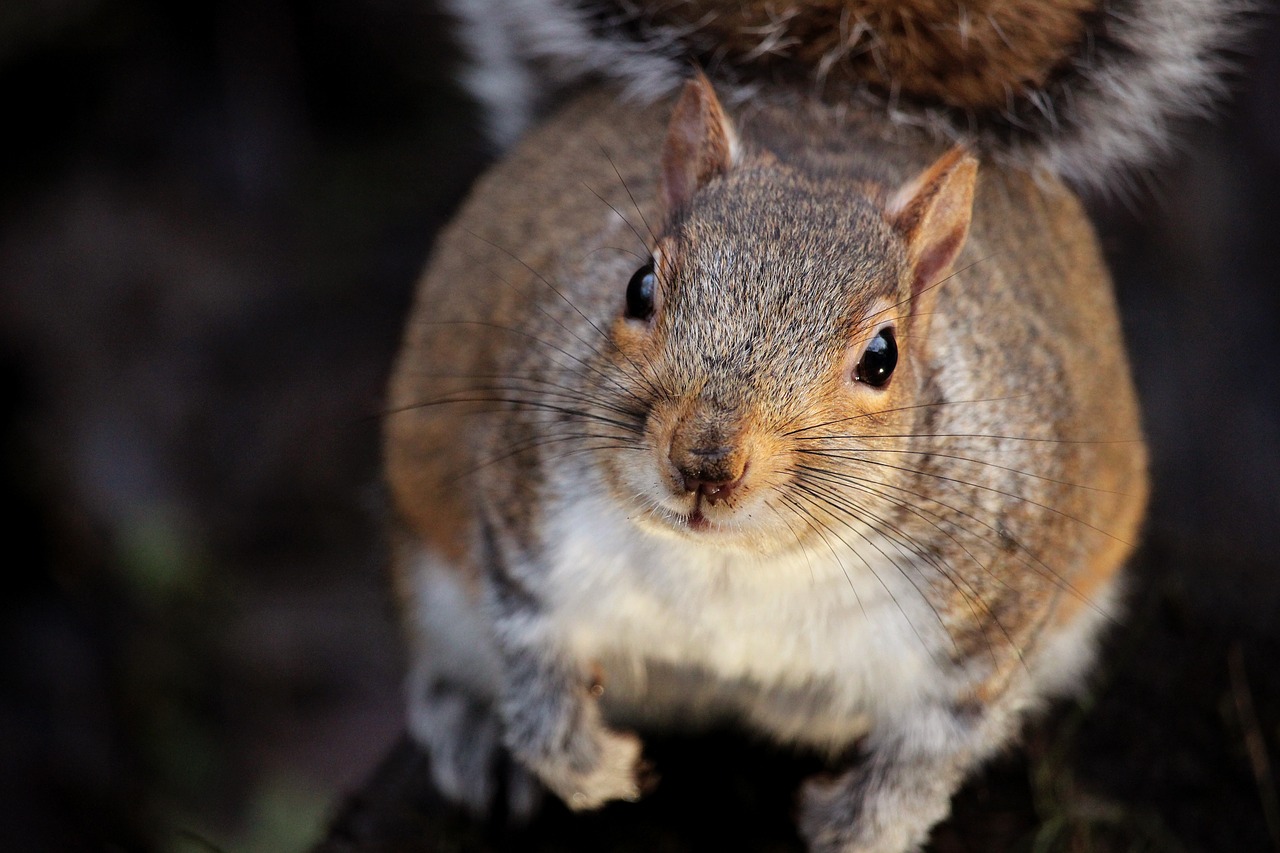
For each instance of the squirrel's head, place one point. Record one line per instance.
(782, 318)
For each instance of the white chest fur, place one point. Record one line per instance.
(846, 623)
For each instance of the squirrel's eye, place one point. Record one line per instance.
(878, 360)
(640, 293)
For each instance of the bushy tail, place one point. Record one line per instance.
(1088, 89)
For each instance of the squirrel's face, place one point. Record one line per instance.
(775, 337)
(771, 325)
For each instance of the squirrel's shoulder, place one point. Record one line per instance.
(1085, 89)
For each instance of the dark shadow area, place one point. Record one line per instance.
(212, 216)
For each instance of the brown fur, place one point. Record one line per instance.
(981, 54)
(1004, 455)
(440, 450)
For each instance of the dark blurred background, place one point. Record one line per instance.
(212, 215)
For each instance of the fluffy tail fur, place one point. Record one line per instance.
(1087, 89)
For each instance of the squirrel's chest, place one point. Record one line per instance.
(854, 626)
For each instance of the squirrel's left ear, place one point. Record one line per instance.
(701, 144)
(932, 214)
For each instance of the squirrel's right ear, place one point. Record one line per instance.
(932, 213)
(701, 144)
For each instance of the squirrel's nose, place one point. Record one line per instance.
(714, 491)
(714, 473)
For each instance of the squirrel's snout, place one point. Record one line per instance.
(714, 491)
(709, 450)
(714, 473)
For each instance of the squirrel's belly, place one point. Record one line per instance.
(831, 638)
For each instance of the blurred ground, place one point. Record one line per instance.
(211, 218)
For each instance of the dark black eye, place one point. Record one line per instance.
(878, 360)
(640, 293)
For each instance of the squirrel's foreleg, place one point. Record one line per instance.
(551, 715)
(903, 786)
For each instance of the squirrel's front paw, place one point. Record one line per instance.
(860, 813)
(595, 769)
(463, 738)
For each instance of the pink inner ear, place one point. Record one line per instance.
(700, 144)
(932, 213)
(936, 258)
(679, 179)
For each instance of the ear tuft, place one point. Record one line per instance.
(700, 145)
(932, 213)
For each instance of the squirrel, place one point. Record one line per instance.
(777, 395)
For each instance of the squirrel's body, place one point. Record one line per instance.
(697, 500)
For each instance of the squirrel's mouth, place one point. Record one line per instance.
(686, 520)
(711, 505)
(700, 519)
(695, 520)
(720, 512)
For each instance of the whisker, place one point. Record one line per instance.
(637, 256)
(567, 301)
(849, 455)
(800, 542)
(993, 490)
(817, 496)
(991, 436)
(907, 299)
(535, 339)
(627, 189)
(609, 204)
(544, 441)
(895, 410)
(528, 384)
(550, 286)
(819, 529)
(1037, 564)
(524, 405)
(969, 596)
